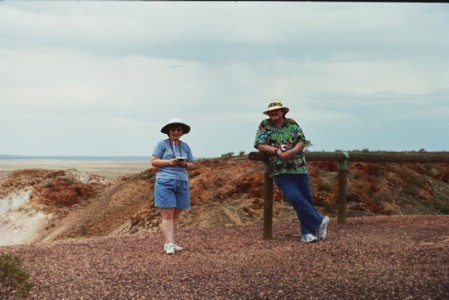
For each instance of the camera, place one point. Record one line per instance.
(279, 164)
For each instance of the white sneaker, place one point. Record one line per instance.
(321, 231)
(308, 238)
(176, 247)
(169, 248)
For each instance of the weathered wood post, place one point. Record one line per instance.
(268, 203)
(268, 194)
(343, 169)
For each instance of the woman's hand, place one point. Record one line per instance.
(160, 163)
(173, 162)
(182, 163)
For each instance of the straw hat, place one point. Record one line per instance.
(175, 122)
(276, 104)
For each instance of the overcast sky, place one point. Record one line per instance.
(102, 78)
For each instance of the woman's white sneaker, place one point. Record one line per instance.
(175, 246)
(169, 248)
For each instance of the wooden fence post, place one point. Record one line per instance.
(343, 169)
(268, 203)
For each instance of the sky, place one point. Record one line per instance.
(103, 77)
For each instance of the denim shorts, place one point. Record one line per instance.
(172, 193)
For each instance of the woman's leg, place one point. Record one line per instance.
(167, 225)
(176, 215)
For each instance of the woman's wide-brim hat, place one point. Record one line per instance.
(175, 122)
(276, 104)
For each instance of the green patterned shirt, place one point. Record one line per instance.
(284, 138)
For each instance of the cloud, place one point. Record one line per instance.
(103, 77)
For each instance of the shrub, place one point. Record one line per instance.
(13, 280)
(49, 185)
(442, 208)
(227, 155)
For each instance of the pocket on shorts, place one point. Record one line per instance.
(166, 183)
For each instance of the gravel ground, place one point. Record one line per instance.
(399, 257)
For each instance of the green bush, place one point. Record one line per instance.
(442, 208)
(13, 280)
(49, 185)
(227, 155)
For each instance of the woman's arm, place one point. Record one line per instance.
(159, 163)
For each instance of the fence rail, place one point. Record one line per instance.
(430, 157)
(342, 159)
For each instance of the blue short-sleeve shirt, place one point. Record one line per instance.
(163, 150)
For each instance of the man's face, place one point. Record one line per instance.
(276, 114)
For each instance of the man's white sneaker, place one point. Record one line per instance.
(169, 248)
(322, 229)
(308, 238)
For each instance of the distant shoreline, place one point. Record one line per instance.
(109, 167)
(70, 157)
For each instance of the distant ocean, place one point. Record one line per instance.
(85, 158)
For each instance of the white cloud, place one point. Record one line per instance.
(103, 77)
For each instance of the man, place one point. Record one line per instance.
(284, 141)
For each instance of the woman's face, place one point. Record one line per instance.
(276, 114)
(175, 133)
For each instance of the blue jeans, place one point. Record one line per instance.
(296, 188)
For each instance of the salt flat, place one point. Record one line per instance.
(106, 168)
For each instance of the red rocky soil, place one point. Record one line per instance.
(224, 192)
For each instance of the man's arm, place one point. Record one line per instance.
(270, 150)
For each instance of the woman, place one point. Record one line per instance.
(284, 141)
(173, 158)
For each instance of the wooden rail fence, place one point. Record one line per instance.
(342, 159)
